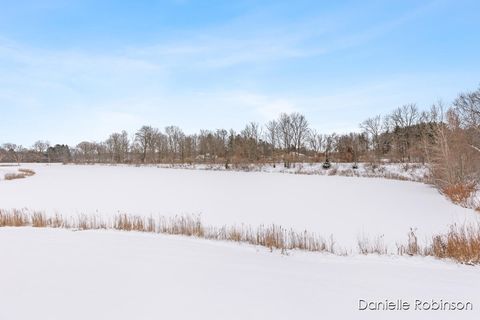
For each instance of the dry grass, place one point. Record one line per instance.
(26, 172)
(365, 246)
(380, 173)
(14, 218)
(13, 176)
(411, 247)
(461, 244)
(271, 236)
(21, 174)
(333, 172)
(460, 193)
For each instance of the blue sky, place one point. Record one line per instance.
(79, 70)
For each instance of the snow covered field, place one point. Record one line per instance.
(62, 274)
(58, 274)
(345, 207)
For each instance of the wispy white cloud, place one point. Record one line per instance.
(247, 40)
(194, 78)
(261, 106)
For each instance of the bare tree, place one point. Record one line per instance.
(221, 138)
(124, 146)
(330, 141)
(348, 147)
(285, 134)
(39, 150)
(251, 135)
(85, 151)
(41, 146)
(161, 147)
(467, 105)
(117, 146)
(285, 131)
(405, 116)
(113, 147)
(373, 128)
(175, 137)
(454, 162)
(402, 121)
(316, 141)
(145, 137)
(11, 151)
(299, 130)
(271, 136)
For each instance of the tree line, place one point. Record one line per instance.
(445, 137)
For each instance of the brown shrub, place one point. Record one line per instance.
(459, 193)
(460, 243)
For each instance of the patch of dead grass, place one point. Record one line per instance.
(461, 243)
(21, 174)
(27, 172)
(377, 246)
(270, 236)
(460, 193)
(13, 176)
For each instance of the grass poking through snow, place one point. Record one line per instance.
(461, 243)
(26, 172)
(21, 174)
(270, 236)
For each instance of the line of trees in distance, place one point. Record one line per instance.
(446, 137)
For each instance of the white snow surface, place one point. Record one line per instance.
(345, 207)
(50, 274)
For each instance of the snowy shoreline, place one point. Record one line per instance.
(120, 275)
